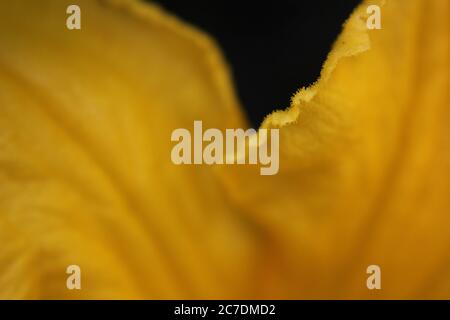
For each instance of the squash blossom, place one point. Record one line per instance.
(86, 177)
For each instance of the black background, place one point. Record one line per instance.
(274, 47)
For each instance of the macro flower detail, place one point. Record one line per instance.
(86, 176)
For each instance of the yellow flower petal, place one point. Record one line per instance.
(85, 170)
(86, 178)
(363, 166)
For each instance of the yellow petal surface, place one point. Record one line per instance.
(86, 176)
(85, 171)
(364, 165)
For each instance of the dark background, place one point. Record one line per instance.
(274, 47)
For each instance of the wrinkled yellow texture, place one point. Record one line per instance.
(86, 176)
